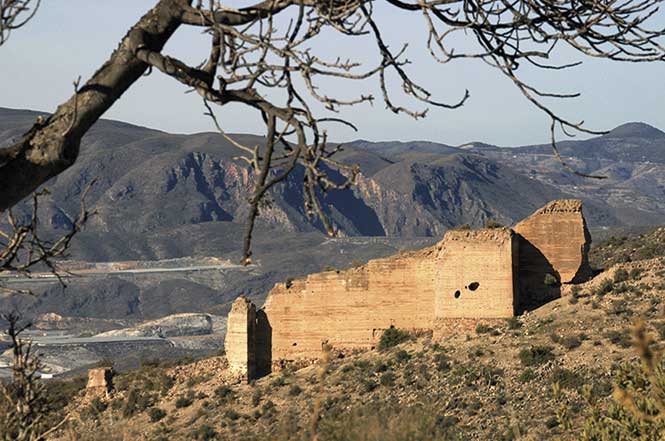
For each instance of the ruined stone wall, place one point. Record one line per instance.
(477, 277)
(469, 275)
(248, 340)
(350, 309)
(100, 382)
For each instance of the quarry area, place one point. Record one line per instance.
(69, 344)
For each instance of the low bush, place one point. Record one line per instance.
(620, 275)
(137, 401)
(567, 341)
(527, 375)
(492, 223)
(550, 280)
(401, 356)
(482, 328)
(513, 323)
(224, 393)
(256, 397)
(295, 390)
(183, 401)
(536, 355)
(619, 307)
(231, 415)
(388, 379)
(442, 362)
(567, 379)
(156, 414)
(605, 287)
(619, 338)
(204, 433)
(391, 337)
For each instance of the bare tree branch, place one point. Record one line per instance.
(14, 14)
(22, 247)
(262, 57)
(24, 405)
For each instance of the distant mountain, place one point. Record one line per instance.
(148, 180)
(161, 195)
(631, 157)
(397, 149)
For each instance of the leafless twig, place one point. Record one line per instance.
(14, 14)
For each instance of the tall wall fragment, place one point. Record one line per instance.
(240, 342)
(248, 340)
(478, 274)
(556, 240)
(100, 382)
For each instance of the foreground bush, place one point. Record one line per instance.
(536, 355)
(394, 423)
(392, 337)
(638, 410)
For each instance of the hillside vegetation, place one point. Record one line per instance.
(547, 374)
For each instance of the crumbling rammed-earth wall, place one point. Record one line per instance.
(100, 382)
(241, 338)
(247, 344)
(477, 274)
(469, 275)
(351, 308)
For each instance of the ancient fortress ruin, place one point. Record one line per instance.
(486, 274)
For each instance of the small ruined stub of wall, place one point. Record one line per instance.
(478, 271)
(350, 309)
(556, 241)
(100, 382)
(247, 342)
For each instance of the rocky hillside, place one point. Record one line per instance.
(548, 374)
(628, 248)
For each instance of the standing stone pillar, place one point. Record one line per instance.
(240, 343)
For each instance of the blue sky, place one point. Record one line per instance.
(69, 38)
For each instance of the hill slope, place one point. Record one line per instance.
(546, 375)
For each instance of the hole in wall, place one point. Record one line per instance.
(474, 286)
(457, 294)
(295, 344)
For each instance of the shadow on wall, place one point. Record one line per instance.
(539, 282)
(263, 344)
